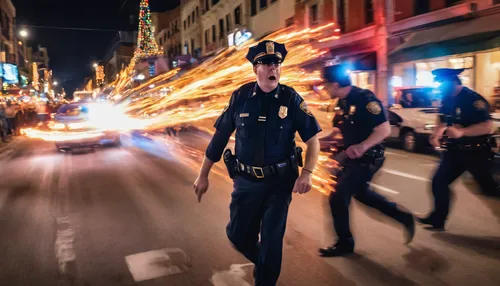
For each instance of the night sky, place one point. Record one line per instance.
(72, 51)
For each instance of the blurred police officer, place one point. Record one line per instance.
(363, 124)
(465, 120)
(266, 116)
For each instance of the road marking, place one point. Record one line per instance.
(406, 175)
(235, 276)
(396, 154)
(157, 263)
(384, 189)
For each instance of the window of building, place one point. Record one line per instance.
(164, 37)
(221, 29)
(263, 4)
(289, 22)
(214, 2)
(272, 1)
(192, 16)
(207, 6)
(237, 16)
(421, 6)
(189, 21)
(184, 24)
(453, 2)
(197, 11)
(213, 34)
(206, 37)
(369, 12)
(168, 34)
(341, 14)
(253, 7)
(228, 22)
(313, 14)
(495, 2)
(192, 47)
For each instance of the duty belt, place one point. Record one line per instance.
(266, 171)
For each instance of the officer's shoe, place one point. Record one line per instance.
(337, 250)
(409, 224)
(434, 226)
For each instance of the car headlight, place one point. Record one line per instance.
(429, 126)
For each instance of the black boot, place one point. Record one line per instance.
(339, 249)
(409, 224)
(434, 225)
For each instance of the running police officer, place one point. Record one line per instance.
(266, 116)
(364, 126)
(465, 120)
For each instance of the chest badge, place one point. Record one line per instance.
(352, 109)
(283, 112)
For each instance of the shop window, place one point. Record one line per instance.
(422, 6)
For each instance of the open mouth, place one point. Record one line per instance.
(272, 77)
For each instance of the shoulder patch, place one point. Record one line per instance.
(303, 106)
(479, 104)
(374, 107)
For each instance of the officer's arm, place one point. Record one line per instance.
(224, 128)
(312, 153)
(482, 114)
(378, 135)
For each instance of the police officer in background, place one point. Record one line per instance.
(466, 121)
(363, 124)
(266, 116)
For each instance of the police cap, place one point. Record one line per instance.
(266, 52)
(334, 71)
(441, 75)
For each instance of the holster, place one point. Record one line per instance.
(230, 162)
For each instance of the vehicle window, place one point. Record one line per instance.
(419, 98)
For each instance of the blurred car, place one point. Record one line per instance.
(413, 116)
(73, 121)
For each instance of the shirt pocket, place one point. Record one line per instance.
(246, 127)
(284, 131)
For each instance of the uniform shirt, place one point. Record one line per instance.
(465, 109)
(259, 142)
(360, 112)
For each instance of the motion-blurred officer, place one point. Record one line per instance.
(465, 117)
(266, 116)
(363, 124)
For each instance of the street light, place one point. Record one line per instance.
(95, 65)
(23, 33)
(55, 83)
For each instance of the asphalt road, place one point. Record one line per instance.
(128, 216)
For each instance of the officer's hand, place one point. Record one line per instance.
(200, 186)
(355, 151)
(454, 132)
(303, 184)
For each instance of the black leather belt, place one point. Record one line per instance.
(262, 172)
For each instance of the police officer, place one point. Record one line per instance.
(363, 124)
(465, 120)
(266, 116)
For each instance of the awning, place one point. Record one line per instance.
(475, 34)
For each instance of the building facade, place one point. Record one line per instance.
(191, 27)
(119, 54)
(426, 35)
(219, 20)
(267, 16)
(168, 31)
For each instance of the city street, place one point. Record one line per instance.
(129, 216)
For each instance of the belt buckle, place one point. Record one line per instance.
(254, 169)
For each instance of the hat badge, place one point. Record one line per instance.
(269, 48)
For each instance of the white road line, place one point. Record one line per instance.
(396, 154)
(384, 189)
(406, 175)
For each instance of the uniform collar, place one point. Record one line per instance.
(256, 90)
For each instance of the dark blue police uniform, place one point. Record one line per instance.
(265, 125)
(360, 112)
(471, 154)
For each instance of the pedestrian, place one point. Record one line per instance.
(266, 116)
(364, 126)
(466, 121)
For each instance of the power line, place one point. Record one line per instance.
(71, 28)
(119, 10)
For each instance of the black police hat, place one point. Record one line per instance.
(266, 52)
(334, 71)
(441, 75)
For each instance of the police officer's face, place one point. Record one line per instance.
(332, 88)
(268, 74)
